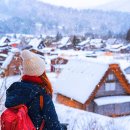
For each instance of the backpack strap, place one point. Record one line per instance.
(41, 102)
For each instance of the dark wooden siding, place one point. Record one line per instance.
(113, 109)
(90, 107)
(119, 90)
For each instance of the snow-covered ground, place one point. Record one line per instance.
(75, 118)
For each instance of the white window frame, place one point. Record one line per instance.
(111, 77)
(110, 86)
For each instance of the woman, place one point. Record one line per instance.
(35, 91)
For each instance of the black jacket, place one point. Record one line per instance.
(28, 93)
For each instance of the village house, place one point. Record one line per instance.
(58, 63)
(4, 40)
(2, 58)
(12, 64)
(94, 86)
(37, 43)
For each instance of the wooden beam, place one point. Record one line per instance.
(69, 102)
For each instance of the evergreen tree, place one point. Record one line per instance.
(128, 35)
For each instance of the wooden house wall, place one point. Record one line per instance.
(58, 61)
(119, 90)
(69, 102)
(90, 107)
(113, 109)
(13, 67)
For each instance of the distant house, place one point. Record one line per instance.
(111, 41)
(2, 58)
(37, 51)
(37, 43)
(15, 43)
(4, 43)
(58, 63)
(82, 45)
(63, 41)
(11, 65)
(4, 40)
(96, 43)
(49, 40)
(96, 87)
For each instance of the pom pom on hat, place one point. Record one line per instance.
(33, 65)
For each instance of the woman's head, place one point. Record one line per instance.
(33, 65)
(34, 68)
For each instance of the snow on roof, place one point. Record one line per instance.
(2, 41)
(7, 61)
(123, 65)
(46, 49)
(79, 78)
(110, 60)
(35, 42)
(64, 40)
(112, 100)
(3, 44)
(95, 41)
(116, 46)
(3, 55)
(14, 50)
(14, 41)
(84, 42)
(111, 41)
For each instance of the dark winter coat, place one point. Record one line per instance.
(28, 93)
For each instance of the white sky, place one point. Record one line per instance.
(80, 4)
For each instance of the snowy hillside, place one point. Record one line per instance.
(116, 5)
(39, 17)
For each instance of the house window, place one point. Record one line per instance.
(110, 86)
(111, 78)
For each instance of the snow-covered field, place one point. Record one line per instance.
(76, 119)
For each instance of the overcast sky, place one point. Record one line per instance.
(80, 4)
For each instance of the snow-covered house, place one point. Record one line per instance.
(84, 44)
(111, 41)
(4, 45)
(96, 43)
(63, 42)
(15, 43)
(37, 43)
(4, 41)
(58, 63)
(93, 86)
(2, 57)
(114, 47)
(11, 65)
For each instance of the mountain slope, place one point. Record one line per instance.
(31, 16)
(116, 5)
